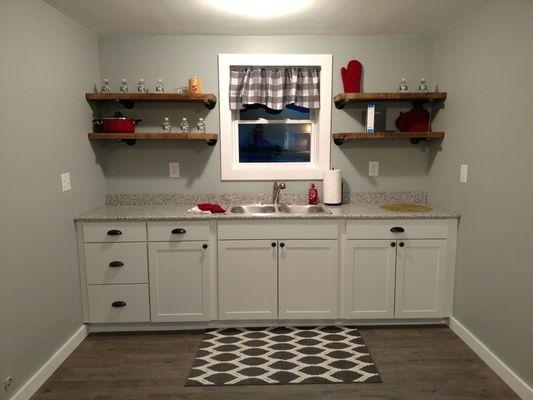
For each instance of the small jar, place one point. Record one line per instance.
(184, 125)
(124, 86)
(423, 85)
(106, 87)
(159, 88)
(201, 125)
(166, 125)
(140, 86)
(403, 85)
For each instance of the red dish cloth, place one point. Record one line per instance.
(214, 208)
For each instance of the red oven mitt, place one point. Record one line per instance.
(214, 208)
(351, 77)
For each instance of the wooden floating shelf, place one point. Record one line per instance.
(417, 97)
(130, 138)
(415, 137)
(128, 99)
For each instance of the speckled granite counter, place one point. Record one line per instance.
(170, 212)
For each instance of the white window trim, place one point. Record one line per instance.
(230, 168)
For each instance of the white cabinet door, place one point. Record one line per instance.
(247, 279)
(179, 281)
(308, 279)
(420, 278)
(369, 271)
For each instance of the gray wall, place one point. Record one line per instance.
(48, 62)
(485, 64)
(144, 167)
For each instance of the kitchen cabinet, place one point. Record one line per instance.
(179, 281)
(307, 279)
(420, 278)
(369, 281)
(247, 279)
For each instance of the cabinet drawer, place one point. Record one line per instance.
(114, 232)
(397, 229)
(116, 263)
(118, 303)
(177, 231)
(284, 229)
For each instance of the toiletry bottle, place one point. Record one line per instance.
(313, 195)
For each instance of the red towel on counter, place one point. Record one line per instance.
(214, 208)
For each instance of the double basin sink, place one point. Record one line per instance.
(265, 209)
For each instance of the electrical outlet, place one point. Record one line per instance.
(8, 383)
(464, 173)
(373, 168)
(65, 182)
(174, 169)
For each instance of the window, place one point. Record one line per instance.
(259, 143)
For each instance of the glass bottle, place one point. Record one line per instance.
(124, 86)
(423, 85)
(184, 125)
(166, 125)
(106, 87)
(159, 88)
(140, 86)
(201, 125)
(403, 85)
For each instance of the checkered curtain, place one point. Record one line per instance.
(274, 87)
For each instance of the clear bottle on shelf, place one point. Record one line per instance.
(124, 86)
(201, 125)
(106, 87)
(140, 86)
(159, 88)
(166, 125)
(403, 85)
(184, 125)
(423, 85)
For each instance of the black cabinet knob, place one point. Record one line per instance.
(178, 231)
(282, 244)
(397, 229)
(273, 244)
(118, 304)
(204, 246)
(114, 232)
(402, 244)
(393, 244)
(115, 264)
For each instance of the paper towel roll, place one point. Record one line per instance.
(333, 187)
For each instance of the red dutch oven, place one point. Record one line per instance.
(117, 124)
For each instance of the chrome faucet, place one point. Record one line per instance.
(276, 191)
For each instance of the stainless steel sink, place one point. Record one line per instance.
(303, 209)
(254, 209)
(262, 209)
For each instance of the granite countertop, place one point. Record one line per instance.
(170, 212)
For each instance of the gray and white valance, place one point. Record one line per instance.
(274, 86)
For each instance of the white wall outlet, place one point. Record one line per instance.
(373, 168)
(464, 173)
(65, 182)
(174, 169)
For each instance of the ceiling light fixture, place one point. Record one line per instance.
(260, 9)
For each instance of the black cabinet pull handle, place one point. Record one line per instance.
(273, 244)
(115, 264)
(282, 244)
(393, 244)
(397, 229)
(178, 231)
(114, 232)
(402, 244)
(204, 246)
(118, 304)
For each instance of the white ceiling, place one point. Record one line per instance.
(322, 17)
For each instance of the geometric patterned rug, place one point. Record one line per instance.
(282, 355)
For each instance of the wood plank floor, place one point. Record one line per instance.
(417, 363)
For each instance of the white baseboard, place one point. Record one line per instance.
(47, 369)
(517, 384)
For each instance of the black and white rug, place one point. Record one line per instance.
(282, 355)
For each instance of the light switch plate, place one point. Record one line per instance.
(464, 173)
(65, 182)
(174, 169)
(373, 168)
